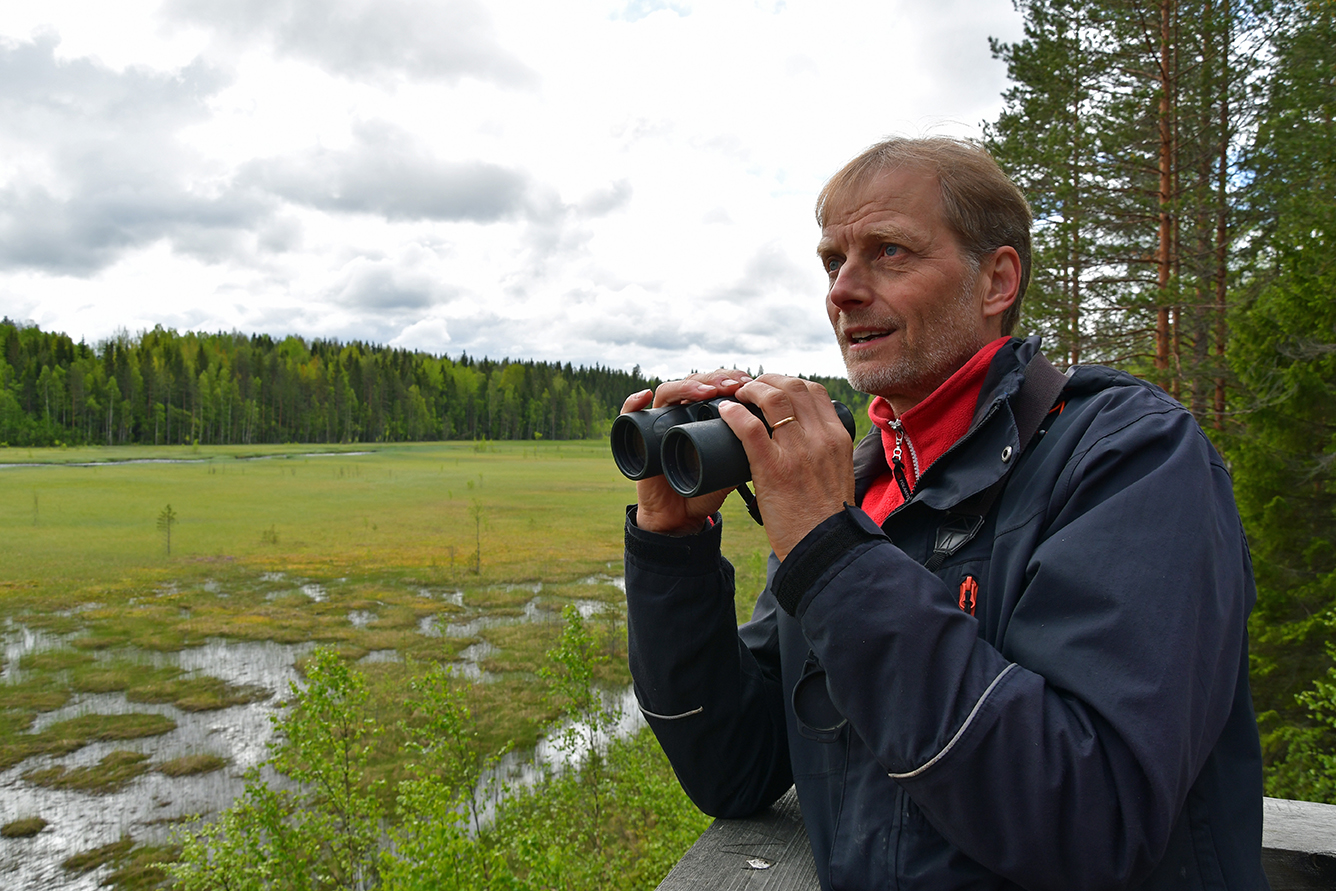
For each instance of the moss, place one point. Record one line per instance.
(386, 640)
(102, 639)
(113, 772)
(53, 622)
(196, 694)
(191, 765)
(395, 617)
(103, 728)
(522, 647)
(39, 694)
(15, 722)
(514, 596)
(140, 869)
(54, 660)
(113, 677)
(87, 861)
(26, 827)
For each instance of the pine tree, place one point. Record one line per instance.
(1284, 353)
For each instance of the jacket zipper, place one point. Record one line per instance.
(992, 409)
(897, 460)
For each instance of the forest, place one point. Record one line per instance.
(164, 387)
(161, 387)
(1180, 160)
(1180, 156)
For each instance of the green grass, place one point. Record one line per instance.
(25, 827)
(68, 736)
(134, 867)
(191, 765)
(113, 772)
(387, 535)
(402, 509)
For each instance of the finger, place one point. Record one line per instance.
(775, 403)
(746, 427)
(700, 387)
(686, 390)
(637, 401)
(806, 401)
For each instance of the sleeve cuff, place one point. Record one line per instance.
(819, 550)
(675, 555)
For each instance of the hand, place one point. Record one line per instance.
(804, 473)
(660, 509)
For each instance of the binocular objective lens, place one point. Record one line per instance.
(632, 450)
(685, 472)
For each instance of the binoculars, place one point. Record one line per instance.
(690, 445)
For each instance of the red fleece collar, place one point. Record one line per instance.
(930, 429)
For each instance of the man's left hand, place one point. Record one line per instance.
(804, 473)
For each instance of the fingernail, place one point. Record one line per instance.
(702, 387)
(746, 378)
(730, 383)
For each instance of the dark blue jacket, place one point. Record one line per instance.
(1089, 727)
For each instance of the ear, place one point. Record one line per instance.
(999, 279)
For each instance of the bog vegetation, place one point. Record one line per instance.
(424, 551)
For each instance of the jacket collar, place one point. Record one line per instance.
(975, 462)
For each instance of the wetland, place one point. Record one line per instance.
(137, 687)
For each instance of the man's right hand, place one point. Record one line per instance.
(660, 509)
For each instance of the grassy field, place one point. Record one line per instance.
(393, 534)
(416, 514)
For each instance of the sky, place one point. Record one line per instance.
(611, 182)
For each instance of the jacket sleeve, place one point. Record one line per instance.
(709, 690)
(1062, 757)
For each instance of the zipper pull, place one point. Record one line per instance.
(897, 462)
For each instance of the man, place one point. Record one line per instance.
(1060, 701)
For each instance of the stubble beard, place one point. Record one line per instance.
(921, 365)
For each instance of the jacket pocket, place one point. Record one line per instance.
(815, 713)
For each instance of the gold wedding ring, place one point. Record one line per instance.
(775, 426)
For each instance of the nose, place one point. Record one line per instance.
(849, 290)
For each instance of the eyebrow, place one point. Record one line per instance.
(885, 233)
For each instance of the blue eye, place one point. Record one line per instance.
(833, 264)
(890, 250)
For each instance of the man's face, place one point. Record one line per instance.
(902, 298)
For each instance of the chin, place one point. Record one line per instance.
(871, 379)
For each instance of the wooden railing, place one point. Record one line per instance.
(769, 851)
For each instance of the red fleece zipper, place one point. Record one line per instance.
(925, 432)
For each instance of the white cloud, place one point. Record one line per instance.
(621, 181)
(389, 174)
(367, 39)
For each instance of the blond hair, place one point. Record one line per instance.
(983, 208)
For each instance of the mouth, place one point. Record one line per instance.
(867, 335)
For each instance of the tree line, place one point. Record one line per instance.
(1180, 156)
(164, 387)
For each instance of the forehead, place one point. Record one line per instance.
(907, 198)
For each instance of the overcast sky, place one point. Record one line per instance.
(614, 181)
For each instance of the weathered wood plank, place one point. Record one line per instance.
(727, 856)
(1299, 844)
(1298, 851)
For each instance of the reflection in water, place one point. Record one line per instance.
(524, 770)
(149, 807)
(152, 805)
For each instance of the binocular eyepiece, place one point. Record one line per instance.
(689, 444)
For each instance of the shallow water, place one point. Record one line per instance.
(523, 770)
(150, 807)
